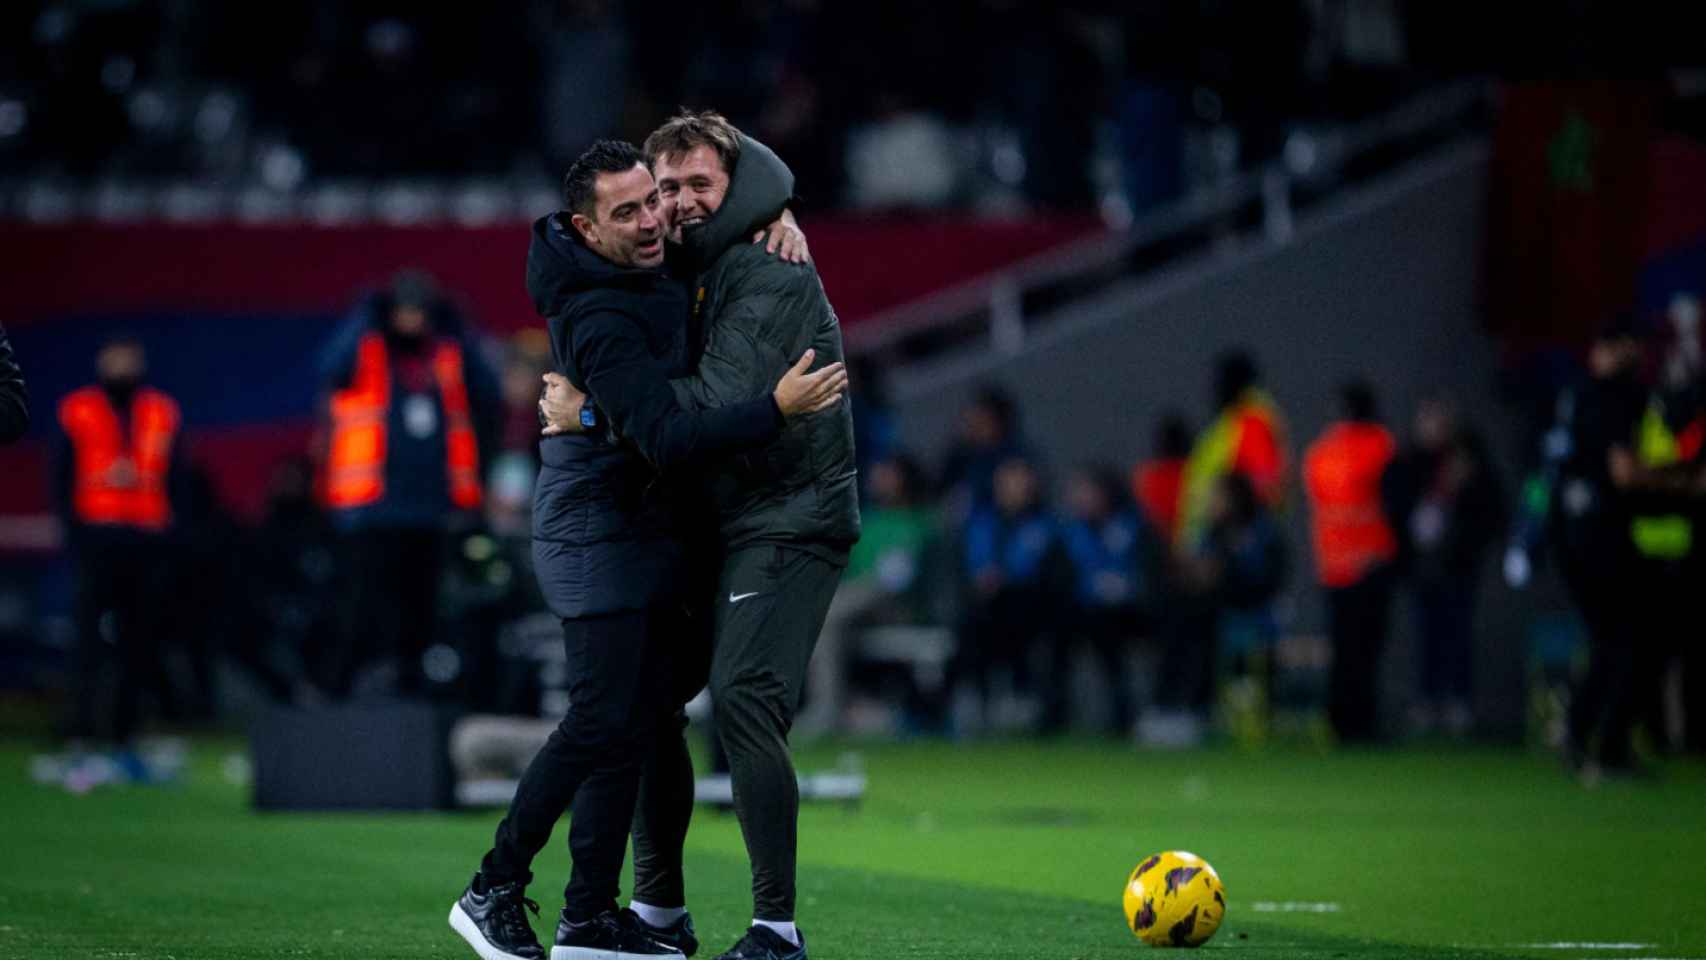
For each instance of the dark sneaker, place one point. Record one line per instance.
(763, 943)
(615, 935)
(679, 934)
(495, 922)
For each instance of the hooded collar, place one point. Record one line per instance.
(560, 265)
(758, 190)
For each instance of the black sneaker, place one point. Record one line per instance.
(678, 934)
(495, 922)
(613, 935)
(763, 943)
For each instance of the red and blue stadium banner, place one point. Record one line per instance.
(233, 316)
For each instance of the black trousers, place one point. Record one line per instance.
(770, 606)
(1632, 622)
(1445, 624)
(665, 810)
(390, 604)
(621, 692)
(999, 632)
(1190, 631)
(1359, 619)
(122, 582)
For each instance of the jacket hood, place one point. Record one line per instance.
(758, 191)
(559, 266)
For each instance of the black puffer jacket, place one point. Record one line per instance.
(606, 531)
(760, 314)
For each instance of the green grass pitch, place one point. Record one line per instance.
(984, 850)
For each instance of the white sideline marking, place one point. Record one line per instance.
(1293, 906)
(1571, 945)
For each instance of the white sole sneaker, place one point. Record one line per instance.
(590, 953)
(464, 926)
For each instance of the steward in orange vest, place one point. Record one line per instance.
(1354, 548)
(1347, 524)
(402, 461)
(116, 476)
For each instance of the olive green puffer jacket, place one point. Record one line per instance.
(759, 314)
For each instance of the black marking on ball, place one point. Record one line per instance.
(1182, 930)
(1145, 866)
(1179, 876)
(1219, 900)
(1146, 916)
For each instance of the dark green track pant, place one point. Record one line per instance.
(770, 606)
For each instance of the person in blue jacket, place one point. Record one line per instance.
(1018, 582)
(1113, 552)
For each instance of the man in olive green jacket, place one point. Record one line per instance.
(787, 514)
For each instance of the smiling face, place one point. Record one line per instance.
(625, 227)
(691, 185)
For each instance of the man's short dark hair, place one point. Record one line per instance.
(580, 184)
(1173, 437)
(1234, 372)
(681, 133)
(1356, 400)
(998, 403)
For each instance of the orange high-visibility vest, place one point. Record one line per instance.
(1341, 473)
(355, 462)
(120, 480)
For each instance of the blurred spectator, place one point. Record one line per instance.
(904, 159)
(515, 464)
(206, 575)
(527, 358)
(586, 54)
(1662, 479)
(1354, 548)
(1247, 437)
(890, 579)
(1149, 122)
(1447, 507)
(988, 437)
(402, 463)
(874, 427)
(1592, 542)
(119, 483)
(1158, 483)
(1220, 619)
(1690, 361)
(1018, 578)
(287, 634)
(14, 396)
(1114, 555)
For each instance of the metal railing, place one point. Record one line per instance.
(996, 308)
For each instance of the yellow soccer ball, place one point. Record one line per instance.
(1174, 899)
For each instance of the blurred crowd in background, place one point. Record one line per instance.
(988, 103)
(991, 591)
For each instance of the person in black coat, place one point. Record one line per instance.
(14, 397)
(608, 541)
(1447, 507)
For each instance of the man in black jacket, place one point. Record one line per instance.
(14, 398)
(607, 549)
